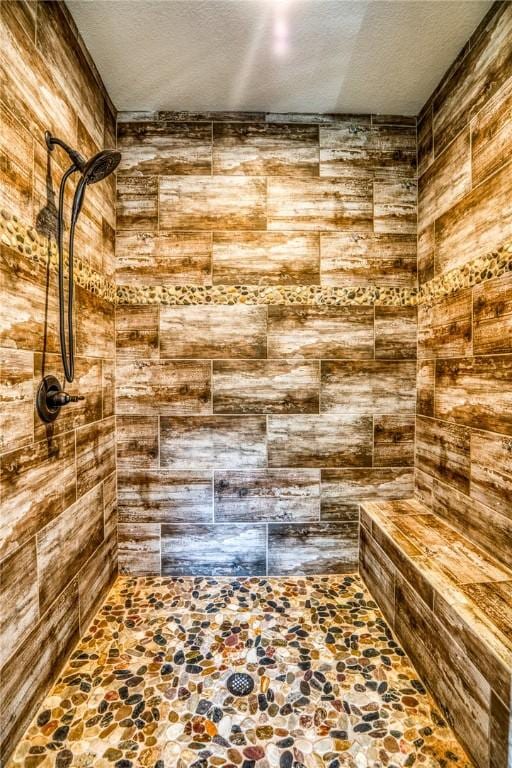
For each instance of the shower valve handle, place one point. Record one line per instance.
(51, 397)
(62, 398)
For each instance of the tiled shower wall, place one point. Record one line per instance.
(58, 530)
(464, 424)
(265, 362)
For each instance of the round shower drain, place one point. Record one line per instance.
(240, 684)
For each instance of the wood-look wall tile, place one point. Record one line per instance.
(475, 391)
(495, 601)
(368, 387)
(214, 331)
(491, 471)
(446, 181)
(320, 204)
(423, 487)
(425, 382)
(426, 250)
(485, 68)
(266, 386)
(213, 550)
(29, 674)
(491, 134)
(395, 333)
(443, 451)
(500, 732)
(431, 649)
(207, 442)
(425, 138)
(65, 544)
(378, 572)
(16, 166)
(164, 148)
(108, 374)
(110, 506)
(365, 259)
(137, 203)
(320, 441)
(485, 527)
(265, 149)
(108, 248)
(16, 398)
(267, 495)
(477, 224)
(95, 336)
(492, 316)
(87, 383)
(147, 496)
(320, 332)
(38, 483)
(393, 440)
(95, 579)
(266, 258)
(312, 548)
(166, 387)
(20, 598)
(139, 548)
(137, 442)
(444, 329)
(137, 331)
(344, 489)
(394, 206)
(349, 148)
(219, 116)
(163, 258)
(95, 454)
(212, 202)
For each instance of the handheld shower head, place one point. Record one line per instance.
(101, 165)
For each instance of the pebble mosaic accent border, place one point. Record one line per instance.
(37, 247)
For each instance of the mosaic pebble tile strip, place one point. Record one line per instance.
(146, 686)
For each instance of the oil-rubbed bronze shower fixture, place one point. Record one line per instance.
(51, 397)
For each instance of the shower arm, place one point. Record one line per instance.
(77, 159)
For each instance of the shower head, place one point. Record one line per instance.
(101, 165)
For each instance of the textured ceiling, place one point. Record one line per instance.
(275, 55)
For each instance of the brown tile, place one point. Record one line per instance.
(446, 181)
(491, 134)
(212, 202)
(492, 316)
(20, 598)
(423, 485)
(94, 580)
(425, 138)
(495, 601)
(491, 470)
(108, 248)
(319, 204)
(137, 203)
(378, 572)
(29, 674)
(320, 441)
(265, 149)
(139, 548)
(476, 391)
(477, 224)
(137, 442)
(444, 329)
(394, 206)
(320, 332)
(221, 116)
(393, 441)
(207, 442)
(425, 381)
(395, 333)
(165, 497)
(95, 454)
(110, 505)
(87, 384)
(266, 258)
(213, 331)
(16, 167)
(295, 548)
(266, 386)
(442, 450)
(166, 387)
(108, 387)
(66, 543)
(467, 563)
(367, 259)
(16, 398)
(137, 331)
(267, 495)
(500, 733)
(164, 148)
(38, 483)
(344, 489)
(426, 249)
(213, 550)
(95, 334)
(370, 386)
(163, 258)
(485, 527)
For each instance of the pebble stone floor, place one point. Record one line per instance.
(146, 686)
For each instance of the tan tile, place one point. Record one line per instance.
(147, 496)
(425, 380)
(94, 580)
(366, 259)
(301, 548)
(163, 387)
(163, 258)
(442, 450)
(137, 331)
(343, 489)
(95, 335)
(395, 333)
(492, 316)
(16, 398)
(16, 167)
(95, 454)
(165, 148)
(137, 442)
(491, 134)
(446, 181)
(139, 548)
(370, 386)
(394, 206)
(444, 330)
(108, 387)
(393, 440)
(20, 598)
(137, 203)
(491, 471)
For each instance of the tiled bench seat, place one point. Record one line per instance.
(450, 605)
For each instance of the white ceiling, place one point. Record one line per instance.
(274, 55)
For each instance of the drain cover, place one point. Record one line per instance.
(240, 684)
